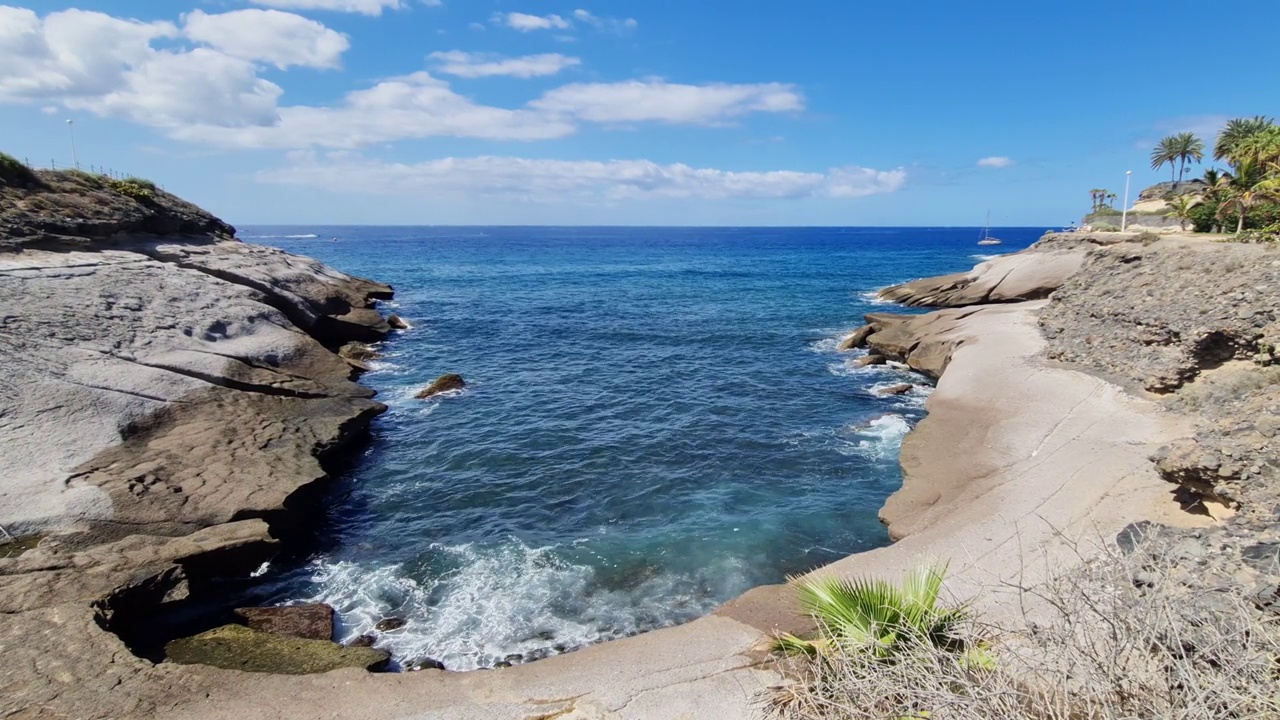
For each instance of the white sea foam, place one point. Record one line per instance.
(984, 258)
(511, 603)
(881, 438)
(872, 297)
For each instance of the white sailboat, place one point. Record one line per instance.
(986, 233)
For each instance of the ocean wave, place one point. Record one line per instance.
(879, 439)
(507, 604)
(984, 258)
(872, 297)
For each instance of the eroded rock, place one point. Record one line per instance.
(312, 621)
(236, 647)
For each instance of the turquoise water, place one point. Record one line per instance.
(656, 420)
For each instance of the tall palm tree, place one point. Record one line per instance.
(1177, 150)
(1096, 196)
(1165, 152)
(1235, 132)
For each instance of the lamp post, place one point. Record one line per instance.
(71, 128)
(1124, 215)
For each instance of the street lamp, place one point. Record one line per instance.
(1124, 216)
(71, 128)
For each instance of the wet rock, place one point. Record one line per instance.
(236, 647)
(900, 389)
(305, 621)
(397, 322)
(870, 360)
(855, 339)
(365, 640)
(424, 664)
(444, 383)
(358, 351)
(389, 624)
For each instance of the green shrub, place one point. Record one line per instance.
(140, 190)
(16, 174)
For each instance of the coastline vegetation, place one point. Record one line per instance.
(1128, 635)
(1245, 196)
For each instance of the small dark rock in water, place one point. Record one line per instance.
(397, 322)
(305, 621)
(236, 647)
(444, 383)
(425, 664)
(870, 360)
(900, 389)
(365, 640)
(502, 664)
(389, 624)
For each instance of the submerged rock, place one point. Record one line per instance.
(444, 383)
(397, 322)
(358, 351)
(389, 624)
(236, 647)
(305, 621)
(424, 664)
(366, 640)
(900, 389)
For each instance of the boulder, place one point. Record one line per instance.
(900, 389)
(365, 640)
(397, 322)
(444, 383)
(872, 359)
(855, 339)
(424, 664)
(1027, 275)
(305, 621)
(389, 624)
(236, 647)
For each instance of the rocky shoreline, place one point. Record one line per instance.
(175, 400)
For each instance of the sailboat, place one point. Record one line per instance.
(986, 233)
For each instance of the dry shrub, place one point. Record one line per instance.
(1121, 637)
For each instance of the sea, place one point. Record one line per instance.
(655, 421)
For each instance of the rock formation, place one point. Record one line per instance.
(169, 402)
(442, 384)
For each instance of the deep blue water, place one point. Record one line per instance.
(656, 420)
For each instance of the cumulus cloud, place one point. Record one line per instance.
(413, 106)
(364, 7)
(657, 100)
(995, 161)
(475, 65)
(279, 38)
(529, 23)
(542, 180)
(617, 25)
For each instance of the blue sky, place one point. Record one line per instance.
(618, 112)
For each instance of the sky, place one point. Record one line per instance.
(622, 112)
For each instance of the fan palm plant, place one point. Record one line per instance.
(1181, 209)
(1250, 185)
(875, 616)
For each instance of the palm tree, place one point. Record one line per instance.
(1181, 209)
(1164, 152)
(1177, 150)
(1212, 175)
(1249, 186)
(875, 616)
(1096, 195)
(1235, 132)
(1111, 200)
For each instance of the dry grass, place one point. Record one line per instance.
(1121, 637)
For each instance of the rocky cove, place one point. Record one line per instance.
(180, 426)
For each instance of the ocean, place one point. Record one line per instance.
(655, 420)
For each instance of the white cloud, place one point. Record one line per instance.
(413, 106)
(556, 181)
(70, 54)
(529, 23)
(656, 100)
(995, 161)
(475, 65)
(364, 7)
(617, 25)
(279, 38)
